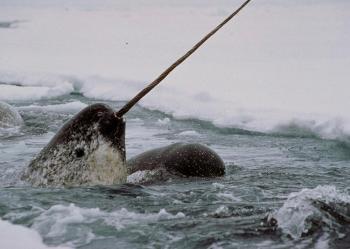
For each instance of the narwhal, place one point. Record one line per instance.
(90, 148)
(9, 116)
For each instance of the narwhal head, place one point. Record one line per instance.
(88, 150)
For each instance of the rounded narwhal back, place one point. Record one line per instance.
(9, 117)
(180, 159)
(88, 150)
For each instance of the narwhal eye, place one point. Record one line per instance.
(100, 114)
(79, 152)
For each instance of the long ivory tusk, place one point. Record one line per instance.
(146, 90)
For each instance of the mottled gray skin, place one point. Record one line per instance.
(88, 150)
(9, 117)
(179, 159)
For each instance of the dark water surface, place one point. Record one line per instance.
(278, 192)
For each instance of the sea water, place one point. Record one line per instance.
(269, 93)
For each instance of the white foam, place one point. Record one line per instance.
(147, 176)
(215, 246)
(20, 237)
(229, 196)
(164, 121)
(19, 93)
(55, 221)
(222, 211)
(296, 215)
(190, 133)
(73, 106)
(217, 185)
